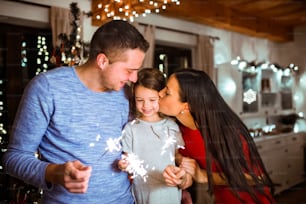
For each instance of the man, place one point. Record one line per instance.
(73, 117)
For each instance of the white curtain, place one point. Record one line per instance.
(60, 19)
(204, 55)
(149, 34)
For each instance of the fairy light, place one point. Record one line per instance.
(24, 59)
(128, 10)
(42, 59)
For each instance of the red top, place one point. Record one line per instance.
(194, 148)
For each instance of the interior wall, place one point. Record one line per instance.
(230, 45)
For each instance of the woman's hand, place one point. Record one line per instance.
(176, 176)
(191, 167)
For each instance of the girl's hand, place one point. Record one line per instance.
(123, 164)
(176, 176)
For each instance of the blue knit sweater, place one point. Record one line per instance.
(63, 120)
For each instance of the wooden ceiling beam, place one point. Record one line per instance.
(219, 16)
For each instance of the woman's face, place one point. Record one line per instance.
(169, 102)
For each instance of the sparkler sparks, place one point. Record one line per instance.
(113, 144)
(169, 142)
(135, 166)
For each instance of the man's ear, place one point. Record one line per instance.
(102, 60)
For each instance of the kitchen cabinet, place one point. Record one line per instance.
(283, 157)
(295, 159)
(257, 92)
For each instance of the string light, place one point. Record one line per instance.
(42, 59)
(128, 10)
(252, 67)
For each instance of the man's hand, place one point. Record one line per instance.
(73, 175)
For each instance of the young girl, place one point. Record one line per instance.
(154, 139)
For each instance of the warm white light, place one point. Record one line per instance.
(118, 9)
(286, 72)
(301, 114)
(235, 61)
(298, 98)
(302, 81)
(242, 65)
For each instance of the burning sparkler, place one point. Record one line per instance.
(113, 144)
(135, 166)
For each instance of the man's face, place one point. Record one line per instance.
(124, 70)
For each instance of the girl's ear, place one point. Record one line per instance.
(102, 60)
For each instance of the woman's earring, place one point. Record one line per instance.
(182, 112)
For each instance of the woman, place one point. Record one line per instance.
(218, 147)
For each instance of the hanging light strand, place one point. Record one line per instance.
(128, 10)
(251, 67)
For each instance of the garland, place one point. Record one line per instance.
(72, 50)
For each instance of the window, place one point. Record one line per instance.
(168, 59)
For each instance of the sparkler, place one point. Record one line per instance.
(113, 144)
(135, 166)
(170, 141)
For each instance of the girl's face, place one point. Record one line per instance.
(169, 102)
(147, 103)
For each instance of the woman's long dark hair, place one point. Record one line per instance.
(222, 131)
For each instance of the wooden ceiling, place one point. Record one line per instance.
(271, 19)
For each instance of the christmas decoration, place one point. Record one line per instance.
(72, 50)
